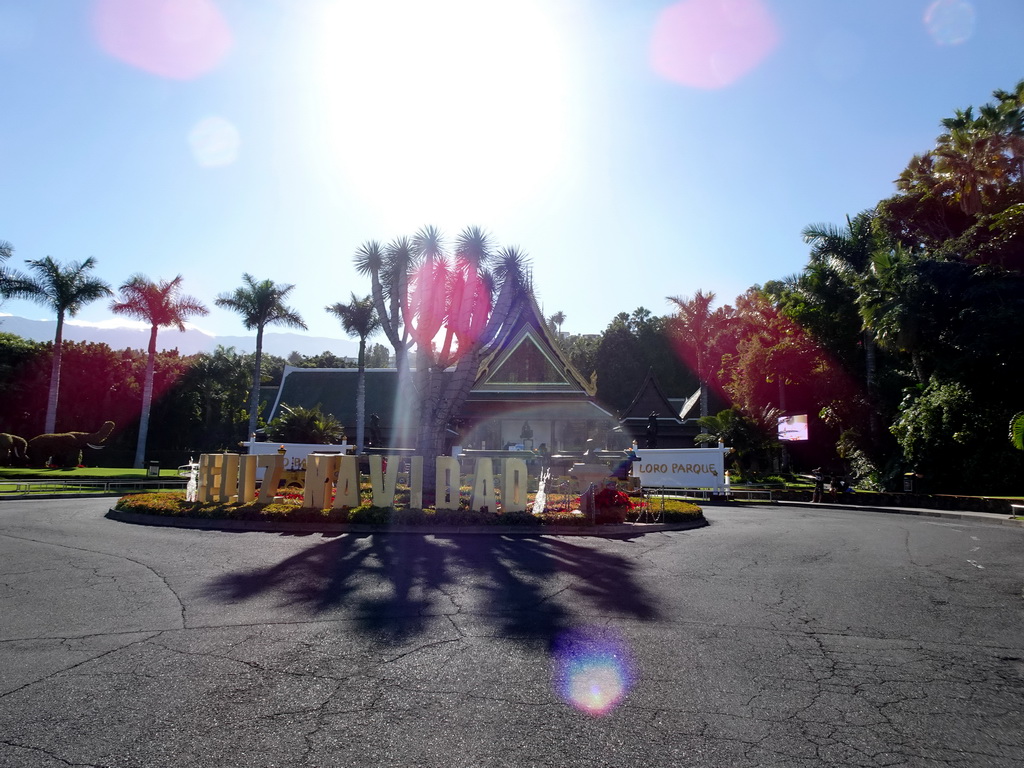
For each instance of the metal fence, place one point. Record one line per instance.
(21, 488)
(709, 494)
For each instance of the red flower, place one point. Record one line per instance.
(610, 497)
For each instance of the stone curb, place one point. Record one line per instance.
(624, 530)
(991, 518)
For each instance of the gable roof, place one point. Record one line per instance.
(527, 357)
(334, 389)
(524, 371)
(650, 399)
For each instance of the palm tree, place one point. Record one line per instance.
(1017, 431)
(64, 290)
(556, 320)
(161, 305)
(358, 318)
(6, 251)
(8, 277)
(697, 327)
(848, 254)
(260, 304)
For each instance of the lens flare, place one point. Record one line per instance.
(950, 22)
(177, 39)
(712, 43)
(592, 670)
(214, 142)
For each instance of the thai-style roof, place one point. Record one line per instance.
(529, 358)
(650, 399)
(524, 372)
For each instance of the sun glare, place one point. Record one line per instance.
(454, 109)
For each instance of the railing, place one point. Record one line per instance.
(710, 494)
(12, 488)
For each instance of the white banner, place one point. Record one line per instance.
(681, 468)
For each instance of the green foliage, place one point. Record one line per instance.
(753, 438)
(940, 432)
(325, 359)
(305, 425)
(631, 345)
(174, 504)
(1017, 431)
(377, 356)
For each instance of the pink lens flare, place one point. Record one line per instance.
(711, 44)
(950, 22)
(176, 39)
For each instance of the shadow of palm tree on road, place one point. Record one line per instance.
(528, 588)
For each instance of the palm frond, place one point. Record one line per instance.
(1017, 431)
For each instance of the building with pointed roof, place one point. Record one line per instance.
(526, 394)
(676, 425)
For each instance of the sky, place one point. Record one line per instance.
(635, 150)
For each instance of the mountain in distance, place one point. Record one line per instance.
(188, 343)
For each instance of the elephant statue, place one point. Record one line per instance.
(12, 448)
(65, 449)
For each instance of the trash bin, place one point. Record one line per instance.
(154, 469)
(908, 482)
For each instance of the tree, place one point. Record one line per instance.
(64, 290)
(260, 304)
(378, 356)
(305, 425)
(556, 321)
(1017, 431)
(358, 318)
(846, 256)
(448, 308)
(216, 388)
(162, 305)
(752, 437)
(698, 329)
(7, 276)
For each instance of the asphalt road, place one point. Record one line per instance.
(774, 637)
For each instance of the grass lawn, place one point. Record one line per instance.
(79, 473)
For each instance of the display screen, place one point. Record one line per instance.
(793, 427)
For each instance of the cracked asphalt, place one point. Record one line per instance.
(776, 636)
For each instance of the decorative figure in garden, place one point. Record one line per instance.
(652, 430)
(12, 448)
(192, 489)
(65, 449)
(375, 437)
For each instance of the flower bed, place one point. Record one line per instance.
(173, 504)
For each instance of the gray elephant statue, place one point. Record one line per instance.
(64, 449)
(13, 449)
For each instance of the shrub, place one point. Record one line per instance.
(173, 504)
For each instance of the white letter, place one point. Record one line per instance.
(382, 484)
(483, 487)
(416, 483)
(346, 488)
(446, 483)
(513, 487)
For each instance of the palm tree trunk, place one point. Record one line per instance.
(254, 396)
(51, 400)
(361, 397)
(147, 401)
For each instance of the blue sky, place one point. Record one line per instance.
(635, 150)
